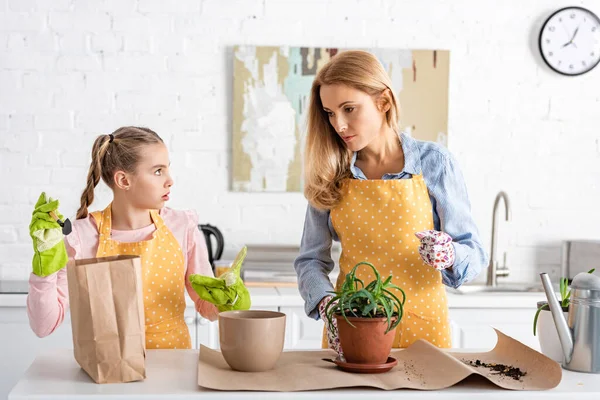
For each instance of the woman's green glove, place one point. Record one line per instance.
(227, 291)
(50, 253)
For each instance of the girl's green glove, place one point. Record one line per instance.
(227, 291)
(50, 253)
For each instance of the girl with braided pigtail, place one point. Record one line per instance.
(134, 163)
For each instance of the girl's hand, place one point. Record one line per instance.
(50, 253)
(332, 337)
(207, 310)
(436, 249)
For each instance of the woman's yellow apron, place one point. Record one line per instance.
(376, 222)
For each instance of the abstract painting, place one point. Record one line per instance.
(271, 93)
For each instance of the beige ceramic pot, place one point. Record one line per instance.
(251, 340)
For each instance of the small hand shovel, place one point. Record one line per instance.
(66, 225)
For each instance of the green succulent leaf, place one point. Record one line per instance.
(376, 299)
(535, 318)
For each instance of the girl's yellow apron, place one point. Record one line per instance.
(163, 277)
(376, 222)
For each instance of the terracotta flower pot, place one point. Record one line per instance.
(366, 342)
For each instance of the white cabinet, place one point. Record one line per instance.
(190, 318)
(19, 345)
(475, 326)
(208, 333)
(301, 331)
(454, 333)
(470, 328)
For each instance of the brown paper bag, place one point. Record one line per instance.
(107, 315)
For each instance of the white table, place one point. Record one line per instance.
(172, 374)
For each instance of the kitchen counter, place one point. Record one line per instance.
(290, 297)
(472, 300)
(172, 374)
(261, 297)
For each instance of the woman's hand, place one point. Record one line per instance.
(332, 337)
(207, 310)
(436, 249)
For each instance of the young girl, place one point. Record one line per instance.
(378, 192)
(134, 163)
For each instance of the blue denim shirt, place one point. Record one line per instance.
(451, 214)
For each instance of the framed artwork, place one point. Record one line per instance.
(271, 93)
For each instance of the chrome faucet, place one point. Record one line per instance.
(493, 270)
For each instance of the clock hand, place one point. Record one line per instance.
(568, 35)
(574, 33)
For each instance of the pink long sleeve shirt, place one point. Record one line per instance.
(48, 298)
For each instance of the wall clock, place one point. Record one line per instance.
(569, 41)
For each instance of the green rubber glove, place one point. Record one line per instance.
(226, 291)
(50, 253)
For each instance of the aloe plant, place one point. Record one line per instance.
(565, 296)
(375, 300)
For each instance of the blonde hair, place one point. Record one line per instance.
(327, 159)
(118, 151)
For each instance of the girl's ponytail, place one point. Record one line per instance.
(95, 172)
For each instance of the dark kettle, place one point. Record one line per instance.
(208, 231)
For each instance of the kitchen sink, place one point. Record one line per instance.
(502, 288)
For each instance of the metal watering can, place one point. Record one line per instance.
(580, 336)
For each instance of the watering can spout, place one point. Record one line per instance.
(564, 332)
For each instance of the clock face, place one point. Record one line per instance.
(570, 41)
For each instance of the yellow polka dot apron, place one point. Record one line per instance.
(376, 222)
(163, 280)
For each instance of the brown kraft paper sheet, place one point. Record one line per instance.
(421, 366)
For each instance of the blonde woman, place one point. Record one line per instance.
(389, 199)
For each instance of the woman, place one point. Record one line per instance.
(378, 192)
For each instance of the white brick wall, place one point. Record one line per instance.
(72, 69)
